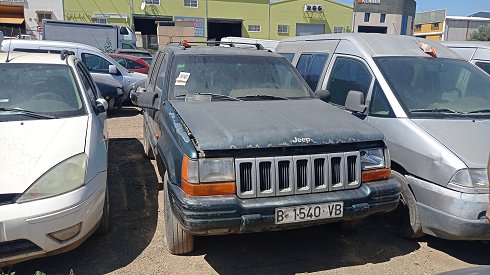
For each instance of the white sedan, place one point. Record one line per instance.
(53, 144)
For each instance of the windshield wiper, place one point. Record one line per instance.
(267, 97)
(479, 111)
(210, 94)
(27, 113)
(437, 110)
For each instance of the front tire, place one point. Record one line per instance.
(404, 221)
(176, 239)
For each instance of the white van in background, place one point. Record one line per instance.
(476, 52)
(97, 62)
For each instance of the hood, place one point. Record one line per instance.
(221, 125)
(468, 139)
(30, 148)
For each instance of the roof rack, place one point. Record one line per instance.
(65, 53)
(187, 44)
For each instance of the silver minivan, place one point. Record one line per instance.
(476, 52)
(434, 110)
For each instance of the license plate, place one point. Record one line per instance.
(310, 212)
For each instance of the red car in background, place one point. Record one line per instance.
(132, 63)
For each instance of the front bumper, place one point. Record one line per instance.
(450, 214)
(24, 227)
(229, 214)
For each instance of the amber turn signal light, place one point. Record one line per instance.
(374, 175)
(209, 189)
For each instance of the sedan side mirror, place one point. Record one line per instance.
(323, 95)
(148, 100)
(112, 69)
(355, 102)
(101, 105)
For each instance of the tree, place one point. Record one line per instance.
(481, 34)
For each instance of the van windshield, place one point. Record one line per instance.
(437, 87)
(38, 91)
(236, 77)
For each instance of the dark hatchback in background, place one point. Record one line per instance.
(244, 145)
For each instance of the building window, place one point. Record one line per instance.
(337, 29)
(367, 15)
(43, 15)
(99, 20)
(152, 2)
(254, 28)
(190, 3)
(418, 27)
(435, 26)
(382, 18)
(282, 28)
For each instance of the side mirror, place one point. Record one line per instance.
(323, 95)
(355, 102)
(134, 94)
(112, 69)
(101, 105)
(145, 99)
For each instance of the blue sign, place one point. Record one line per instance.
(198, 23)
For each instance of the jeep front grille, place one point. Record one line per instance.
(289, 175)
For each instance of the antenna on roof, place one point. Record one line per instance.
(10, 44)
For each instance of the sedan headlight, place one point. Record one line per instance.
(66, 176)
(473, 178)
(373, 159)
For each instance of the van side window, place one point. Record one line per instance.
(484, 66)
(154, 72)
(310, 66)
(380, 107)
(288, 56)
(161, 74)
(96, 63)
(348, 74)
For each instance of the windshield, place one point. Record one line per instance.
(33, 91)
(237, 76)
(433, 87)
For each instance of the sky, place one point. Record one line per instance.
(454, 7)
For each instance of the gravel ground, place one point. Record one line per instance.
(134, 245)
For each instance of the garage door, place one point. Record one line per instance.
(309, 29)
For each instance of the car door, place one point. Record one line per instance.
(155, 84)
(93, 94)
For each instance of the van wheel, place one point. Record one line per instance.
(105, 221)
(404, 221)
(146, 142)
(176, 240)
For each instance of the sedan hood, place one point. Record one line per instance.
(468, 139)
(30, 148)
(223, 125)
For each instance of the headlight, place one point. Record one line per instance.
(473, 178)
(373, 159)
(66, 176)
(208, 176)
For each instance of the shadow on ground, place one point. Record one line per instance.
(127, 111)
(133, 187)
(303, 250)
(472, 252)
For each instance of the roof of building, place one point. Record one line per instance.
(375, 44)
(31, 58)
(485, 14)
(468, 18)
(427, 17)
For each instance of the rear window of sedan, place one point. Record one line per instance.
(41, 88)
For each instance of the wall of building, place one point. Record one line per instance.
(430, 24)
(399, 14)
(291, 13)
(32, 8)
(461, 29)
(117, 11)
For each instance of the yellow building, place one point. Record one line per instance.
(430, 24)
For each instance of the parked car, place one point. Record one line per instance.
(131, 63)
(477, 52)
(145, 55)
(97, 62)
(243, 145)
(112, 91)
(53, 181)
(433, 108)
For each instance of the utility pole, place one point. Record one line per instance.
(206, 22)
(131, 13)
